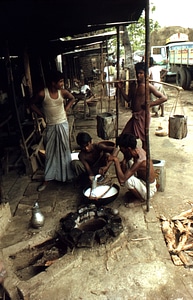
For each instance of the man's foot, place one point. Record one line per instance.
(42, 187)
(162, 115)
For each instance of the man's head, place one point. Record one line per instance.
(83, 139)
(140, 71)
(126, 140)
(151, 61)
(57, 78)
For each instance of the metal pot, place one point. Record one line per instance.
(102, 198)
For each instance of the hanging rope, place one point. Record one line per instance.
(177, 122)
(175, 103)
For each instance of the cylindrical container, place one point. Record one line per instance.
(92, 106)
(106, 125)
(160, 171)
(177, 126)
(37, 219)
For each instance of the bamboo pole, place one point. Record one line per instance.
(115, 81)
(147, 100)
(117, 104)
(134, 79)
(179, 88)
(101, 75)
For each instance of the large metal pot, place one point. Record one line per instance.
(98, 195)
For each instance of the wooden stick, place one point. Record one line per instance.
(179, 88)
(182, 241)
(169, 235)
(141, 239)
(117, 81)
(187, 246)
(99, 197)
(184, 260)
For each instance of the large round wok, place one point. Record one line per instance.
(102, 194)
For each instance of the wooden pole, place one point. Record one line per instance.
(28, 73)
(179, 88)
(12, 91)
(117, 104)
(115, 81)
(101, 75)
(147, 99)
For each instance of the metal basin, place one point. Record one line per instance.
(101, 195)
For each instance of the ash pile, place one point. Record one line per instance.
(178, 235)
(88, 226)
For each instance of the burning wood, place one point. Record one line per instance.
(178, 234)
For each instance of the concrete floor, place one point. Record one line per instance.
(135, 265)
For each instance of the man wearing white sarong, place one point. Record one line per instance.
(58, 153)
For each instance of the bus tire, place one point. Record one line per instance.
(181, 78)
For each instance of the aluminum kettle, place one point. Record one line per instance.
(37, 219)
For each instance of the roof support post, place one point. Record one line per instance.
(118, 58)
(147, 98)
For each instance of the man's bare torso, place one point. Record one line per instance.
(139, 99)
(92, 156)
(141, 163)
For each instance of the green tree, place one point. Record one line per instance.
(136, 31)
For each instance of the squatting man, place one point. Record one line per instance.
(134, 177)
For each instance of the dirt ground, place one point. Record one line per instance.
(134, 270)
(177, 154)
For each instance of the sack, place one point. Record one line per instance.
(178, 126)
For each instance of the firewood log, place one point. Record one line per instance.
(187, 246)
(169, 235)
(176, 260)
(190, 253)
(183, 258)
(180, 227)
(182, 241)
(187, 214)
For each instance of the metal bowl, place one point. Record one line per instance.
(99, 191)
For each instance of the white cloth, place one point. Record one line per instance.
(58, 153)
(140, 185)
(109, 77)
(154, 73)
(84, 88)
(54, 109)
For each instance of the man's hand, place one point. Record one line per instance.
(120, 84)
(112, 158)
(103, 170)
(91, 177)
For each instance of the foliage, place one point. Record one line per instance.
(136, 31)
